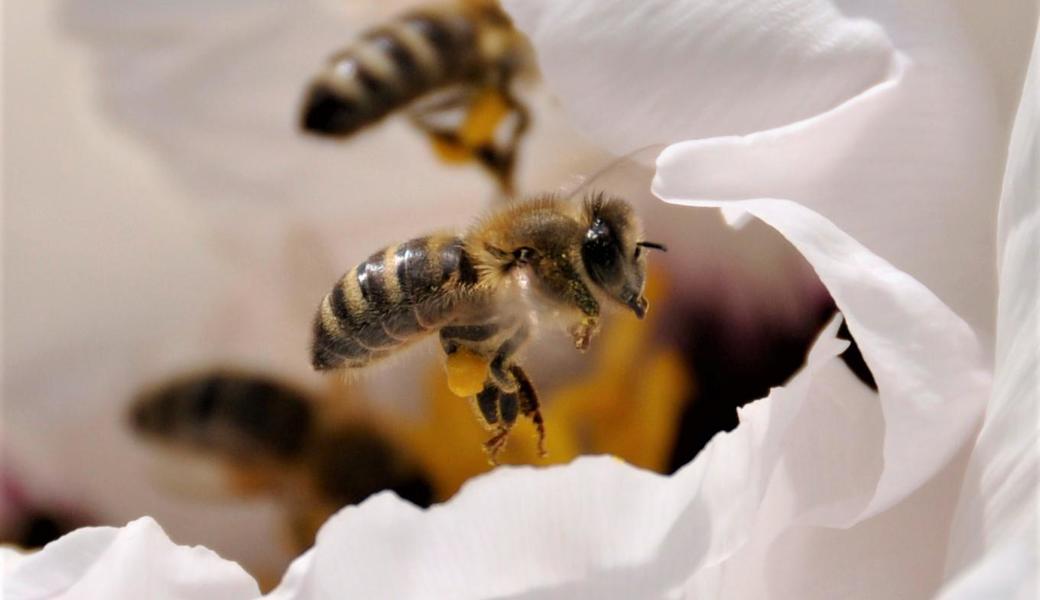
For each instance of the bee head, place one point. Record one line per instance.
(612, 252)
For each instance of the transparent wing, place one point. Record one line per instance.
(625, 176)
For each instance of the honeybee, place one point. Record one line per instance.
(267, 437)
(463, 56)
(558, 257)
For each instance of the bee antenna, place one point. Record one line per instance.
(653, 246)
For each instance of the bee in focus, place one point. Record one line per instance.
(481, 291)
(435, 61)
(266, 437)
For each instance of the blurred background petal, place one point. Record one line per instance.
(993, 545)
(135, 561)
(679, 70)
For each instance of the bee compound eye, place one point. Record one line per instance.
(601, 253)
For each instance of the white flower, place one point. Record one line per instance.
(132, 562)
(874, 144)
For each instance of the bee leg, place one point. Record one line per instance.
(473, 138)
(521, 119)
(559, 279)
(529, 405)
(500, 164)
(500, 159)
(502, 361)
(496, 444)
(452, 336)
(497, 401)
(499, 409)
(508, 408)
(582, 332)
(435, 119)
(488, 401)
(467, 364)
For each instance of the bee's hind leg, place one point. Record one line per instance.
(529, 405)
(440, 118)
(500, 398)
(463, 125)
(498, 410)
(500, 158)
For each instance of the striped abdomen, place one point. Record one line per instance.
(395, 64)
(237, 415)
(397, 295)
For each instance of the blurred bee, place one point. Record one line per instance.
(436, 60)
(561, 258)
(269, 439)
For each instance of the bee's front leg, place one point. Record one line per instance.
(499, 155)
(583, 331)
(558, 279)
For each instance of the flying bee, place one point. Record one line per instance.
(261, 436)
(435, 61)
(559, 257)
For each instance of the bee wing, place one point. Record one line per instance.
(445, 107)
(191, 474)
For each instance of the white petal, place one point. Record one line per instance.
(877, 469)
(996, 525)
(925, 145)
(113, 280)
(659, 72)
(131, 562)
(1008, 571)
(904, 168)
(597, 528)
(927, 362)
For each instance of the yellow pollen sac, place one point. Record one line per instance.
(467, 372)
(450, 152)
(484, 116)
